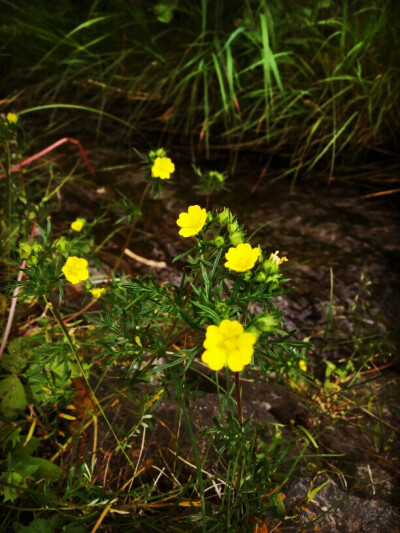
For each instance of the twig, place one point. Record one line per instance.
(381, 193)
(78, 313)
(12, 309)
(147, 262)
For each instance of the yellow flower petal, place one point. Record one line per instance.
(246, 341)
(228, 344)
(237, 360)
(12, 118)
(215, 359)
(242, 258)
(162, 168)
(78, 224)
(213, 336)
(184, 220)
(96, 293)
(276, 259)
(231, 328)
(192, 222)
(75, 270)
(303, 365)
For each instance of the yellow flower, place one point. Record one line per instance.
(96, 293)
(76, 270)
(192, 222)
(303, 365)
(78, 224)
(242, 258)
(228, 344)
(138, 341)
(12, 118)
(162, 168)
(276, 259)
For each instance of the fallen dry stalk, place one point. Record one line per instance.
(144, 261)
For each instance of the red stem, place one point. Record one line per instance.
(238, 398)
(50, 148)
(14, 298)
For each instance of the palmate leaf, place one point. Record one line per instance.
(12, 480)
(23, 461)
(12, 397)
(42, 525)
(16, 357)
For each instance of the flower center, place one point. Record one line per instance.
(229, 345)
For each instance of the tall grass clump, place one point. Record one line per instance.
(310, 83)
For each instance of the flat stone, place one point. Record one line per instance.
(332, 510)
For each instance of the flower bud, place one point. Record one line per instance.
(263, 323)
(270, 267)
(153, 154)
(236, 238)
(214, 175)
(224, 217)
(218, 241)
(61, 244)
(25, 249)
(233, 226)
(260, 277)
(273, 280)
(36, 247)
(222, 309)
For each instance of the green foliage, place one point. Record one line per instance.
(210, 182)
(17, 355)
(309, 82)
(19, 465)
(39, 525)
(12, 397)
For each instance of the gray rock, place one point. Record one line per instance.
(332, 510)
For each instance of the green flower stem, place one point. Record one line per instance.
(181, 400)
(175, 321)
(132, 228)
(240, 419)
(55, 312)
(100, 246)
